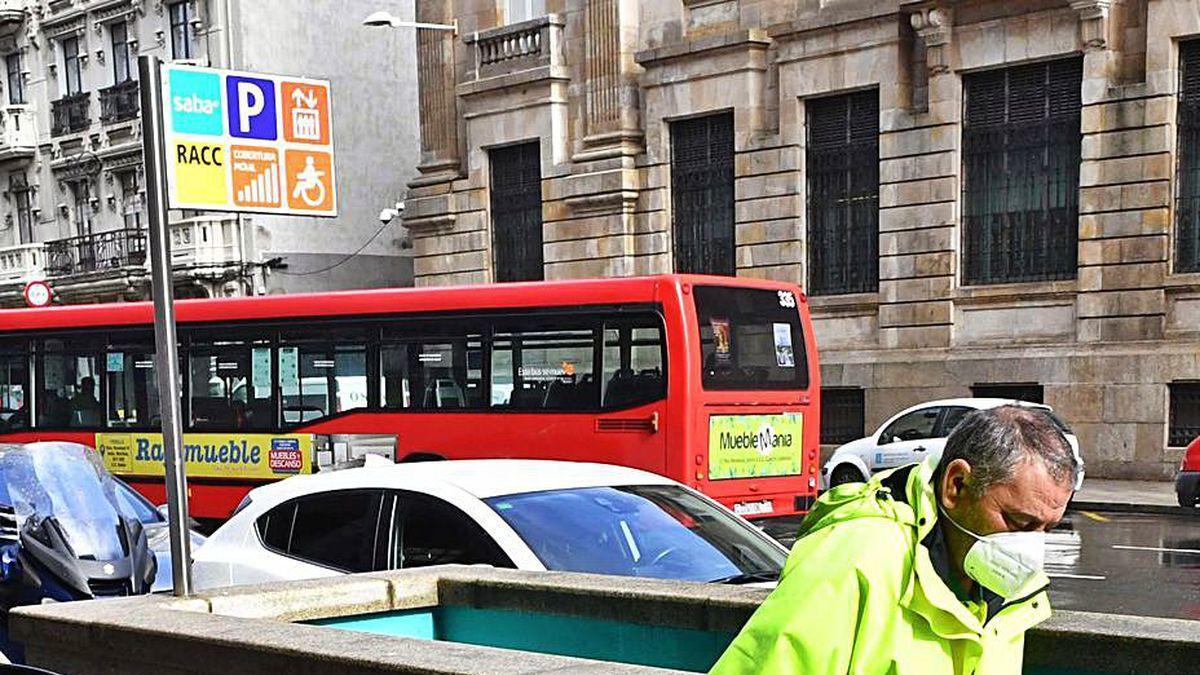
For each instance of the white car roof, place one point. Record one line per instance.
(977, 403)
(482, 478)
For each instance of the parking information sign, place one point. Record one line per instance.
(247, 142)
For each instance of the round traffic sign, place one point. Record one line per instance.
(38, 294)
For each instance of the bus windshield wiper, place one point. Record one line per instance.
(748, 578)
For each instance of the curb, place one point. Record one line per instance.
(1125, 507)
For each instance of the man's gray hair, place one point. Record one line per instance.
(995, 441)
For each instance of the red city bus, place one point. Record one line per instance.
(712, 381)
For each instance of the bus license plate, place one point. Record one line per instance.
(754, 508)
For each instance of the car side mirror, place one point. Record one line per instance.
(166, 514)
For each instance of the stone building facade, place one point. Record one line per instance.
(73, 210)
(979, 196)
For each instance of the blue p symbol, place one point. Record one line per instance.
(251, 107)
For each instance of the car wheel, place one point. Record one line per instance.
(1187, 501)
(844, 474)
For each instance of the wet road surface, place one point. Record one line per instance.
(1114, 563)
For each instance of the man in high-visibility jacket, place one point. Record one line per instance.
(929, 569)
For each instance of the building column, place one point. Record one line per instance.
(1124, 190)
(590, 226)
(918, 193)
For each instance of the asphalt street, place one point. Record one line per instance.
(1115, 563)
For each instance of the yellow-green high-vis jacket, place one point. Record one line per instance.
(861, 594)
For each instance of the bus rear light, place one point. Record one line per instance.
(812, 483)
(699, 475)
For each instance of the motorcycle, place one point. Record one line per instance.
(64, 533)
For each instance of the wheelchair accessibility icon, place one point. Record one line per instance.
(310, 180)
(308, 184)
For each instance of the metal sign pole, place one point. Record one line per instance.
(166, 359)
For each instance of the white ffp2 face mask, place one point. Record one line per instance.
(1003, 562)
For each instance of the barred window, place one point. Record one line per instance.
(843, 194)
(842, 416)
(1187, 198)
(516, 200)
(702, 194)
(1021, 156)
(1184, 425)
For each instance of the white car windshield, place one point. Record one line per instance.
(659, 531)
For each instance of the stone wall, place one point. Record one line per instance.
(251, 630)
(1104, 345)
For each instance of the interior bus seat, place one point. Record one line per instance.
(441, 391)
(212, 412)
(528, 395)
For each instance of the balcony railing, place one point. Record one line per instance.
(69, 114)
(21, 263)
(516, 47)
(98, 252)
(119, 102)
(206, 241)
(18, 137)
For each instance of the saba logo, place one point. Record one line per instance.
(195, 103)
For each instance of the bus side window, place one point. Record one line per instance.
(14, 386)
(432, 367)
(229, 385)
(70, 391)
(132, 387)
(545, 367)
(633, 364)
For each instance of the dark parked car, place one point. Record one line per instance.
(1187, 483)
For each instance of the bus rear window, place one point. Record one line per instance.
(750, 339)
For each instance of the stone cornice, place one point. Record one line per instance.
(744, 39)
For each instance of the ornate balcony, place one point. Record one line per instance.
(18, 136)
(13, 13)
(22, 263)
(530, 45)
(207, 244)
(95, 253)
(119, 102)
(69, 114)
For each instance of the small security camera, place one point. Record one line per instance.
(399, 207)
(388, 215)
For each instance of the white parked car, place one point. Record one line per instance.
(524, 514)
(912, 435)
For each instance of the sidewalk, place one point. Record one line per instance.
(1126, 494)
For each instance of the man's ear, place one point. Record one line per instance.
(954, 483)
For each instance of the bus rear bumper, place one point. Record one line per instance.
(769, 506)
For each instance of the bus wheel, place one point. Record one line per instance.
(422, 457)
(844, 474)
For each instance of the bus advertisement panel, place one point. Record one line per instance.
(242, 456)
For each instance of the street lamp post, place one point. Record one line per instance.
(384, 18)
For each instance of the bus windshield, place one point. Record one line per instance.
(750, 339)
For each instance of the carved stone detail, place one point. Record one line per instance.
(935, 28)
(1093, 22)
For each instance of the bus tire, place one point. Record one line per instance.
(845, 474)
(422, 457)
